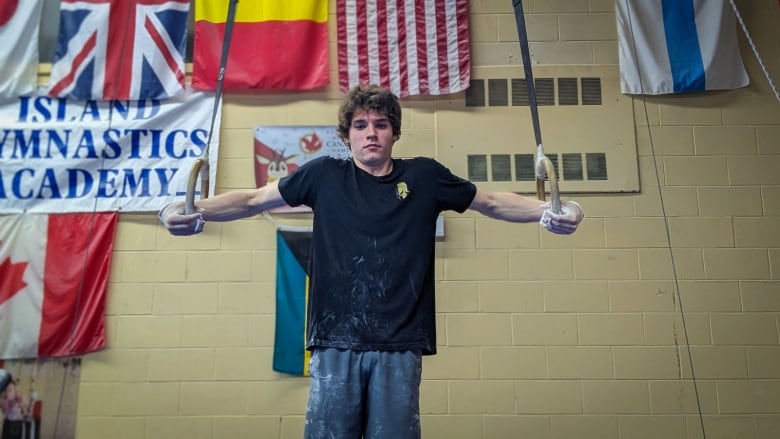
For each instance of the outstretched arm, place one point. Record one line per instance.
(224, 207)
(509, 206)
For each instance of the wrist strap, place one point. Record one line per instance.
(162, 211)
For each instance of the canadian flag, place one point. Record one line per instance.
(53, 280)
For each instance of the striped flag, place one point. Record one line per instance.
(677, 46)
(293, 249)
(276, 44)
(53, 281)
(412, 47)
(19, 28)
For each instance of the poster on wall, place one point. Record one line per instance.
(280, 150)
(40, 398)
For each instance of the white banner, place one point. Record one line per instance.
(60, 155)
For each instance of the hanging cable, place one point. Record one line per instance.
(755, 50)
(676, 293)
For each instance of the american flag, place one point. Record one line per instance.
(120, 49)
(412, 47)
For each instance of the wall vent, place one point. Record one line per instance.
(587, 129)
(567, 92)
(520, 167)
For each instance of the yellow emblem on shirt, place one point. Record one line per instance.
(401, 191)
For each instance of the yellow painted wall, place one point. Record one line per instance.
(541, 336)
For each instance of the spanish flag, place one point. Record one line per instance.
(275, 45)
(293, 250)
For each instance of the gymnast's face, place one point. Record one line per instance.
(371, 140)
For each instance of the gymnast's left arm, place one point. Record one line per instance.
(512, 207)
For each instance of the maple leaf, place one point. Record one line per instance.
(11, 281)
(7, 9)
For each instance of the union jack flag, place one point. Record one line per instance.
(120, 49)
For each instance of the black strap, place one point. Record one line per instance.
(231, 18)
(529, 76)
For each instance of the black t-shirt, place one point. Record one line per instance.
(372, 264)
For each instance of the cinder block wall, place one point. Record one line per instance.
(541, 336)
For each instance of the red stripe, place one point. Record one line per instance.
(263, 55)
(422, 47)
(170, 58)
(77, 264)
(384, 49)
(341, 36)
(402, 56)
(65, 82)
(121, 34)
(362, 42)
(464, 53)
(441, 48)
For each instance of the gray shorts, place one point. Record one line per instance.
(364, 394)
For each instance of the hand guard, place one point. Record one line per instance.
(567, 221)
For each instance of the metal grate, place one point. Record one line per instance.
(543, 87)
(501, 167)
(475, 94)
(589, 129)
(545, 91)
(572, 167)
(568, 167)
(524, 167)
(568, 92)
(498, 93)
(477, 166)
(596, 163)
(519, 93)
(591, 91)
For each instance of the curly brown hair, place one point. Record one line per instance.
(369, 97)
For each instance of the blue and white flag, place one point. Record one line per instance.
(678, 46)
(19, 25)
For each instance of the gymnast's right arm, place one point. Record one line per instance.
(223, 207)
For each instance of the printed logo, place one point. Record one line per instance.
(310, 143)
(401, 191)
